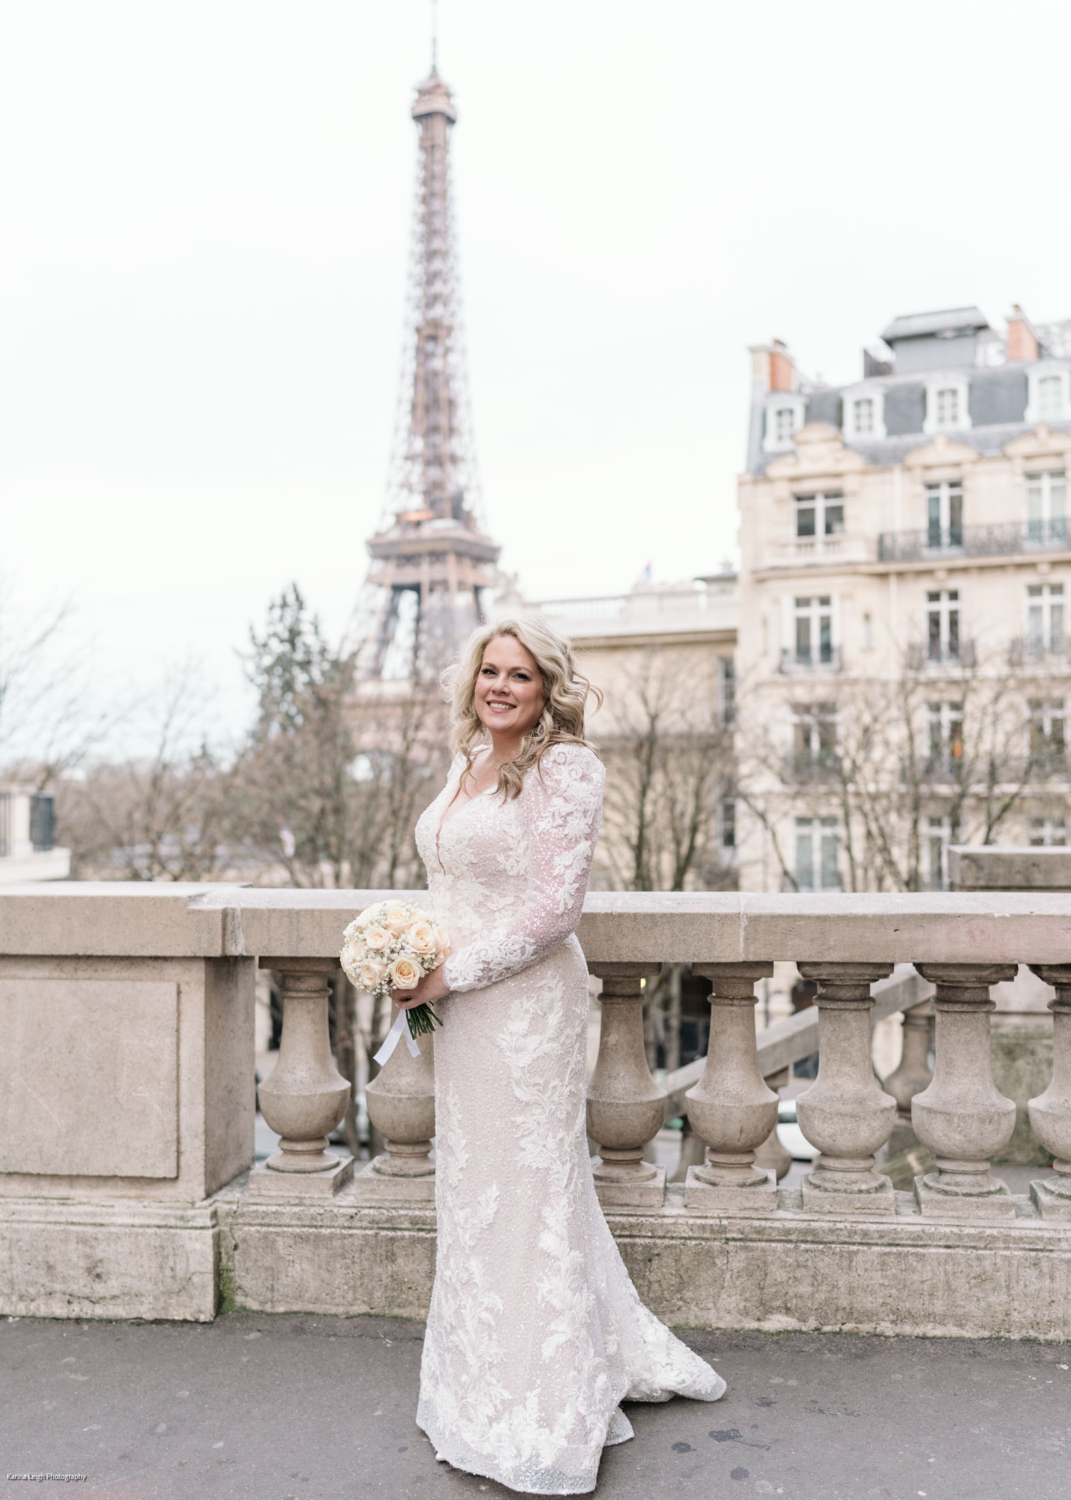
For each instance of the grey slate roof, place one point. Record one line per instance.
(917, 325)
(997, 393)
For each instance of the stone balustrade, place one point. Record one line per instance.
(127, 1183)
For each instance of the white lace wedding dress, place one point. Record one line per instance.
(535, 1332)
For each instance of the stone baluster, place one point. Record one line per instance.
(911, 1075)
(1050, 1112)
(626, 1108)
(306, 1095)
(962, 1117)
(845, 1113)
(731, 1108)
(772, 1153)
(401, 1105)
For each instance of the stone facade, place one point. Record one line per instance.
(906, 566)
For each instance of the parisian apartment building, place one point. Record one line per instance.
(902, 666)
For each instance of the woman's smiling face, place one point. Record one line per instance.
(509, 688)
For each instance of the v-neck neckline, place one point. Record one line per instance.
(444, 819)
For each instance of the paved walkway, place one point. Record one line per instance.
(308, 1408)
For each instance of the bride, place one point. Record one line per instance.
(535, 1332)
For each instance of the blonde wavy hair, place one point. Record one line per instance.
(565, 693)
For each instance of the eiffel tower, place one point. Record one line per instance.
(432, 563)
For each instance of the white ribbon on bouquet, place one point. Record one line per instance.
(390, 1041)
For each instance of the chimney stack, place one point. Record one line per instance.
(1022, 341)
(773, 368)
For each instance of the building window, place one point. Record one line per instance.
(1046, 507)
(785, 414)
(944, 514)
(864, 412)
(819, 516)
(1050, 396)
(817, 854)
(1045, 618)
(814, 631)
(1048, 733)
(1047, 831)
(863, 417)
(942, 624)
(948, 406)
(946, 737)
(940, 832)
(1048, 393)
(814, 734)
(727, 691)
(728, 823)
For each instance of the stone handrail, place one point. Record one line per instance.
(221, 920)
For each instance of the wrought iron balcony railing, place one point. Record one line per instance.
(824, 659)
(807, 765)
(922, 656)
(974, 541)
(1027, 650)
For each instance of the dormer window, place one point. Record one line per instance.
(784, 418)
(1048, 393)
(946, 405)
(1050, 396)
(864, 413)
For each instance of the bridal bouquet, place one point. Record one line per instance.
(393, 945)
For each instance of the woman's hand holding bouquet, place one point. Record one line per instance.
(393, 946)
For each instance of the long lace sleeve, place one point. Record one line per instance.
(563, 797)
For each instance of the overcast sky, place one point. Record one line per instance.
(202, 268)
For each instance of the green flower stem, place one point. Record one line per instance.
(422, 1020)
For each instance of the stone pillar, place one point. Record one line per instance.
(401, 1105)
(626, 1108)
(962, 1117)
(845, 1112)
(911, 1075)
(306, 1095)
(731, 1108)
(1050, 1112)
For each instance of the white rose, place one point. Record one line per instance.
(369, 975)
(397, 916)
(378, 938)
(405, 974)
(421, 938)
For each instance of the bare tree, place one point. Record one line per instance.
(940, 742)
(669, 767)
(331, 779)
(158, 815)
(48, 722)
